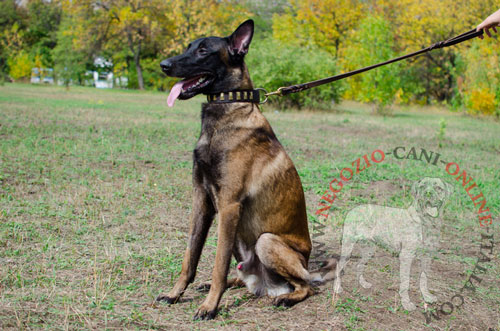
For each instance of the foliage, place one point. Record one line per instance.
(195, 19)
(481, 101)
(41, 29)
(20, 65)
(10, 41)
(334, 35)
(371, 43)
(441, 132)
(481, 77)
(154, 77)
(433, 77)
(70, 63)
(317, 22)
(273, 65)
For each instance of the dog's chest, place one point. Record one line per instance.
(216, 140)
(207, 158)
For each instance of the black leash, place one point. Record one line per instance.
(305, 86)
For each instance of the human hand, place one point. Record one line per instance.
(490, 23)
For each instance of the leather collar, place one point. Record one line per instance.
(235, 96)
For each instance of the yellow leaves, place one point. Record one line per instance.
(322, 23)
(482, 76)
(125, 14)
(481, 101)
(195, 19)
(20, 65)
(12, 38)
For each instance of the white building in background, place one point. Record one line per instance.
(42, 76)
(104, 77)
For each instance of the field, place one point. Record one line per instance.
(95, 194)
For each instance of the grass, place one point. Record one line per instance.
(95, 193)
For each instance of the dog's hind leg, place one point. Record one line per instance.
(201, 218)
(366, 254)
(279, 257)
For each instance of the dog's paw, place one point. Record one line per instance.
(203, 313)
(283, 301)
(205, 287)
(167, 299)
(408, 305)
(429, 298)
(364, 283)
(337, 288)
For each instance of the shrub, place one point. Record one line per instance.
(20, 65)
(481, 77)
(273, 65)
(373, 42)
(154, 78)
(481, 101)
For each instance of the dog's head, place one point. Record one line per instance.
(430, 195)
(211, 65)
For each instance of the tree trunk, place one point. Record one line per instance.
(137, 57)
(140, 79)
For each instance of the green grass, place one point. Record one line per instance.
(95, 193)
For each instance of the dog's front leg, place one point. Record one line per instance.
(201, 218)
(406, 257)
(229, 216)
(425, 263)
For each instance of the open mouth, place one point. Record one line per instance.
(188, 88)
(432, 209)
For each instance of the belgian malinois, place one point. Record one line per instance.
(242, 173)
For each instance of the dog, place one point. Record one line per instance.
(410, 232)
(242, 173)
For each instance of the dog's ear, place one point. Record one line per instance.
(239, 41)
(415, 188)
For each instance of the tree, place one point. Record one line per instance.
(195, 19)
(42, 25)
(420, 23)
(70, 62)
(371, 43)
(110, 25)
(11, 32)
(479, 77)
(323, 23)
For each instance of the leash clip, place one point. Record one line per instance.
(278, 92)
(265, 94)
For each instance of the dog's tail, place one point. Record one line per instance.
(325, 273)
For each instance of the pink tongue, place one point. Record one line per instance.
(174, 93)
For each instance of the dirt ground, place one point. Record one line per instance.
(95, 193)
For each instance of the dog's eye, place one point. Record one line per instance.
(202, 51)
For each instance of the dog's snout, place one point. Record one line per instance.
(166, 66)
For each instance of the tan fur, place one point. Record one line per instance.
(242, 173)
(258, 196)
